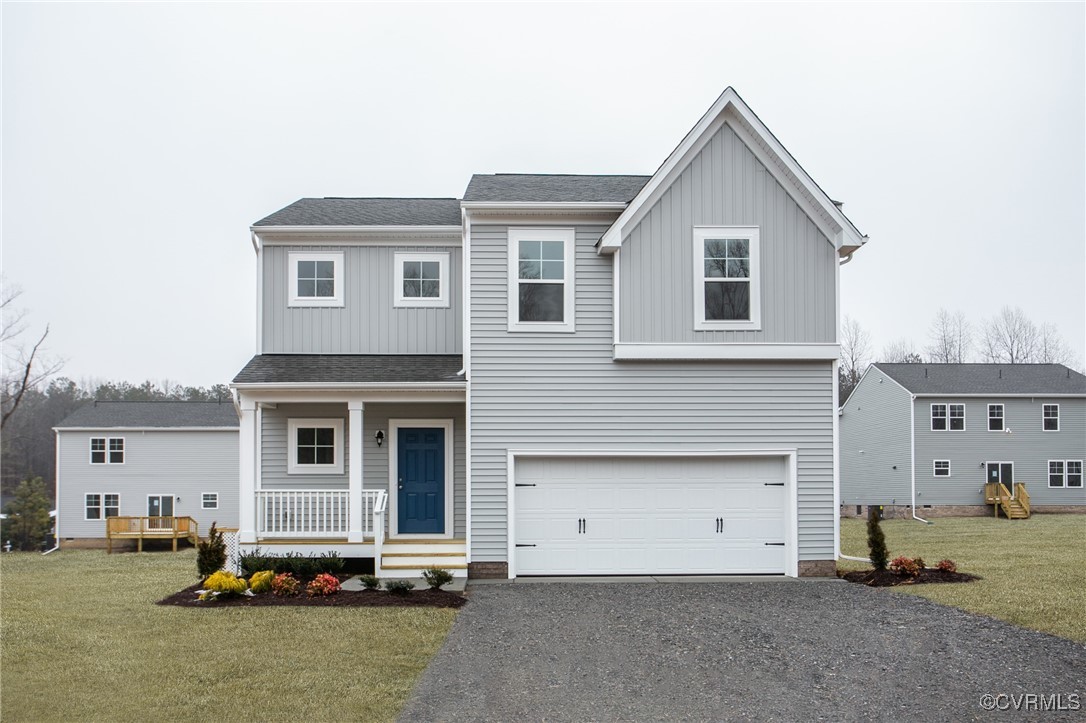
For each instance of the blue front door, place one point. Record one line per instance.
(420, 465)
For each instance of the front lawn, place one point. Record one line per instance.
(1034, 570)
(83, 640)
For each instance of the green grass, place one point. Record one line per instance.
(1034, 570)
(82, 640)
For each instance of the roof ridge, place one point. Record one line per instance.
(382, 198)
(570, 175)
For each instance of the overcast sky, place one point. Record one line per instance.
(140, 141)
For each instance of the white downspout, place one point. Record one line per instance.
(912, 455)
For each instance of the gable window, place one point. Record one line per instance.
(315, 446)
(541, 279)
(995, 417)
(422, 279)
(1050, 418)
(98, 506)
(105, 450)
(209, 501)
(942, 468)
(315, 279)
(727, 281)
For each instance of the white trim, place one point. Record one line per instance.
(791, 532)
(935, 468)
(375, 386)
(1001, 463)
(1001, 395)
(479, 207)
(568, 237)
(358, 235)
(338, 451)
(101, 506)
(145, 429)
(752, 235)
(738, 351)
(1067, 473)
(616, 296)
(203, 500)
(1002, 417)
(1057, 406)
(1048, 474)
(56, 482)
(293, 300)
(394, 426)
(173, 504)
(836, 393)
(948, 405)
(441, 300)
(259, 295)
(106, 450)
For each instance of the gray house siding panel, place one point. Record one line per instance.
(367, 323)
(184, 464)
(273, 443)
(725, 185)
(564, 391)
(875, 440)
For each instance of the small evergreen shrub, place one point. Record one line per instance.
(947, 566)
(876, 540)
(211, 553)
(905, 567)
(399, 587)
(331, 563)
(435, 577)
(261, 581)
(322, 585)
(370, 582)
(256, 561)
(223, 583)
(286, 585)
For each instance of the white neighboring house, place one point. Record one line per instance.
(145, 459)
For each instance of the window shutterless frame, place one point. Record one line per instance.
(542, 280)
(941, 468)
(209, 501)
(1056, 472)
(422, 280)
(307, 452)
(947, 417)
(1074, 473)
(107, 450)
(995, 418)
(1050, 417)
(727, 278)
(311, 282)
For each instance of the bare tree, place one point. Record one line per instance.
(855, 356)
(951, 338)
(1010, 337)
(22, 369)
(901, 352)
(1053, 348)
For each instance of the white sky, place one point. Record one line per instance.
(141, 140)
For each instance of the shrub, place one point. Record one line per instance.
(261, 581)
(286, 585)
(322, 585)
(211, 553)
(947, 566)
(435, 577)
(919, 562)
(370, 582)
(905, 566)
(876, 540)
(256, 561)
(331, 563)
(223, 583)
(399, 587)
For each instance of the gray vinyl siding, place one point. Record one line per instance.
(726, 185)
(367, 323)
(875, 444)
(375, 459)
(184, 464)
(564, 391)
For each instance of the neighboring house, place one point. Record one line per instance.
(557, 375)
(944, 430)
(145, 459)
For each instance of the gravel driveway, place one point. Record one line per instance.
(772, 650)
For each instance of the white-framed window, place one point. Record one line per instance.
(1074, 473)
(541, 279)
(422, 279)
(727, 278)
(1056, 473)
(98, 506)
(209, 501)
(941, 468)
(1065, 473)
(1050, 417)
(315, 446)
(107, 450)
(948, 417)
(995, 417)
(316, 279)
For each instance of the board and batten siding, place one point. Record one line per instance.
(184, 464)
(564, 391)
(368, 322)
(876, 450)
(726, 185)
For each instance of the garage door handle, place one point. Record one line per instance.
(719, 524)
(582, 526)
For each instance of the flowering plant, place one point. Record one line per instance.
(947, 566)
(223, 583)
(321, 585)
(905, 566)
(286, 585)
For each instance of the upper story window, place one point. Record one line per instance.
(541, 279)
(995, 417)
(948, 416)
(422, 279)
(315, 279)
(315, 446)
(1050, 418)
(107, 450)
(727, 278)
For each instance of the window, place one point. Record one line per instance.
(1065, 474)
(315, 279)
(948, 416)
(97, 506)
(1051, 418)
(209, 501)
(957, 417)
(541, 279)
(1074, 473)
(107, 451)
(727, 288)
(942, 468)
(316, 446)
(422, 280)
(995, 417)
(1055, 473)
(938, 417)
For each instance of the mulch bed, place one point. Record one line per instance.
(889, 578)
(187, 598)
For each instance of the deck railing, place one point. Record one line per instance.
(312, 513)
(151, 528)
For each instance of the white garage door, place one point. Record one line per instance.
(639, 516)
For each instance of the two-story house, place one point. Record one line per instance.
(557, 374)
(927, 439)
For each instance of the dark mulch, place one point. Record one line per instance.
(889, 578)
(344, 598)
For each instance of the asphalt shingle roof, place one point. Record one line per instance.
(153, 414)
(995, 379)
(540, 188)
(350, 368)
(367, 212)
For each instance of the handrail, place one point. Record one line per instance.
(379, 506)
(1023, 496)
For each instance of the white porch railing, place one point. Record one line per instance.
(314, 513)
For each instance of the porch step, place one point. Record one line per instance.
(420, 554)
(426, 541)
(459, 566)
(424, 547)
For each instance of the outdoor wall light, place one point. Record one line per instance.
(380, 437)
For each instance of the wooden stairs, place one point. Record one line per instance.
(408, 557)
(1015, 506)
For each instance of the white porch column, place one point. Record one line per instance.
(355, 423)
(247, 467)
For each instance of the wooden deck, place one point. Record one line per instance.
(151, 528)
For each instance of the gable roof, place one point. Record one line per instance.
(556, 188)
(730, 107)
(139, 415)
(366, 212)
(351, 369)
(986, 379)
